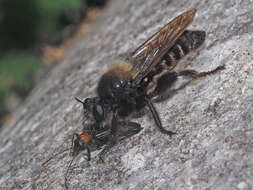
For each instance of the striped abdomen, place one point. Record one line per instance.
(188, 41)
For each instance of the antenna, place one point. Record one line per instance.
(55, 156)
(79, 100)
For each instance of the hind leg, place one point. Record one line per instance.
(168, 79)
(195, 74)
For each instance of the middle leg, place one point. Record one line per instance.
(157, 118)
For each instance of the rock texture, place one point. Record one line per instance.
(213, 117)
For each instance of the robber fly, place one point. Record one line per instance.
(125, 86)
(94, 138)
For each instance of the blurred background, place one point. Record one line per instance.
(34, 36)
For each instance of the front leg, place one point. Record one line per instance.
(113, 137)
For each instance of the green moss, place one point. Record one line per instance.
(51, 10)
(14, 69)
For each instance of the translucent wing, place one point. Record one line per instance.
(150, 53)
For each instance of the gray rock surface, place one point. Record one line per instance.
(213, 117)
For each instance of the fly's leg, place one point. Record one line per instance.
(112, 139)
(157, 118)
(164, 83)
(195, 75)
(168, 79)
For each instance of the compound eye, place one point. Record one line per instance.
(117, 84)
(98, 112)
